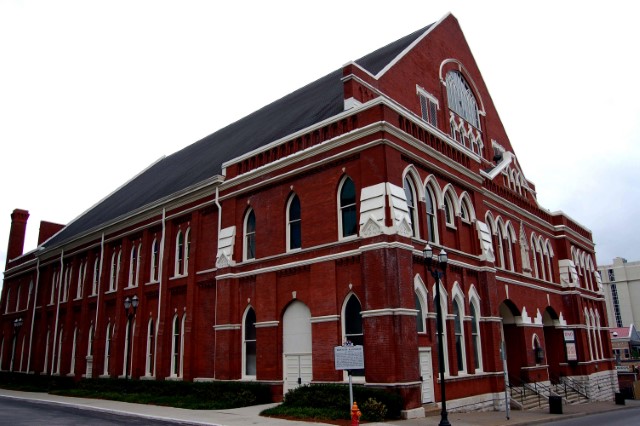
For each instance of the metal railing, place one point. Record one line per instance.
(518, 389)
(567, 383)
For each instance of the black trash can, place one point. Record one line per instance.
(619, 398)
(555, 404)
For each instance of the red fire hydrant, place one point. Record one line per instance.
(355, 415)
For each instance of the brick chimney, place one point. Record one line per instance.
(17, 234)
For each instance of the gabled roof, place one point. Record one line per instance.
(203, 160)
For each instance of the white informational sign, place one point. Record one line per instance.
(572, 353)
(569, 336)
(349, 357)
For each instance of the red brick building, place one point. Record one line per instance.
(258, 249)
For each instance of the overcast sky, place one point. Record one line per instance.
(92, 92)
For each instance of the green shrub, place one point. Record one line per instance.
(373, 410)
(336, 397)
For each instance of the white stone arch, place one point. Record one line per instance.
(358, 375)
(465, 199)
(444, 297)
(411, 171)
(490, 221)
(457, 65)
(511, 240)
(411, 174)
(476, 334)
(422, 296)
(346, 230)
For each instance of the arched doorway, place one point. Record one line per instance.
(553, 338)
(296, 346)
(512, 338)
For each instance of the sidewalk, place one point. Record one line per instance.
(251, 415)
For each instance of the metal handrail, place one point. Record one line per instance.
(574, 385)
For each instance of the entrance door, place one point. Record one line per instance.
(426, 371)
(296, 346)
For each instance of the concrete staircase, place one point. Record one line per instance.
(524, 398)
(569, 395)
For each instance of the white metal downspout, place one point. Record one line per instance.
(55, 329)
(215, 307)
(161, 256)
(33, 314)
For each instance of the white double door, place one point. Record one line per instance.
(296, 346)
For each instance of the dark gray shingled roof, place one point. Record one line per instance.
(375, 61)
(203, 160)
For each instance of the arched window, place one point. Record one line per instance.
(179, 257)
(249, 344)
(500, 242)
(82, 272)
(510, 237)
(475, 336)
(115, 271)
(461, 356)
(107, 349)
(96, 276)
(420, 326)
(72, 368)
(58, 362)
(8, 300)
(54, 287)
(90, 341)
(461, 99)
(352, 326)
(449, 212)
(294, 223)
(155, 260)
(432, 223)
(151, 332)
(133, 266)
(410, 194)
(250, 235)
(18, 297)
(347, 205)
(187, 251)
(46, 352)
(177, 343)
(128, 351)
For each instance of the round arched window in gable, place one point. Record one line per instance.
(461, 99)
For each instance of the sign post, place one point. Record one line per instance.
(349, 357)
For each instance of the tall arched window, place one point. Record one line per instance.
(177, 343)
(82, 272)
(187, 251)
(46, 352)
(107, 349)
(58, 361)
(461, 356)
(420, 325)
(133, 266)
(179, 257)
(96, 276)
(249, 344)
(410, 194)
(90, 341)
(475, 336)
(294, 223)
(347, 204)
(431, 214)
(461, 99)
(449, 210)
(500, 241)
(18, 297)
(151, 332)
(115, 270)
(250, 235)
(155, 260)
(128, 352)
(352, 326)
(72, 368)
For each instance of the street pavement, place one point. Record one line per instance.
(251, 415)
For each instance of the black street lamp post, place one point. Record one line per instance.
(131, 313)
(438, 272)
(17, 323)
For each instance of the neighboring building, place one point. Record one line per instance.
(257, 250)
(625, 342)
(621, 284)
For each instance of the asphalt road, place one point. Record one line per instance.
(627, 417)
(16, 412)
